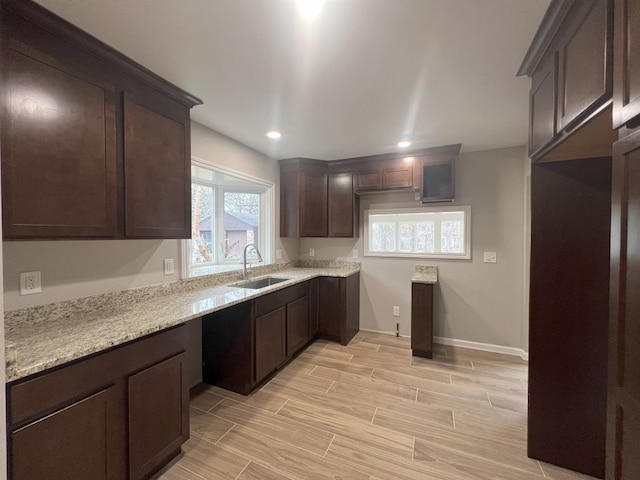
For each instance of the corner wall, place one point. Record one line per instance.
(475, 302)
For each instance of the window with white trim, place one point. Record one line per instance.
(425, 232)
(228, 211)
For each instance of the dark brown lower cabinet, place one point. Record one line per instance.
(339, 308)
(623, 428)
(270, 341)
(297, 324)
(77, 441)
(118, 414)
(422, 319)
(569, 312)
(158, 415)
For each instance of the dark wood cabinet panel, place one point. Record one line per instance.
(77, 162)
(542, 105)
(303, 198)
(343, 208)
(158, 415)
(398, 175)
(297, 324)
(157, 168)
(314, 325)
(626, 90)
(569, 311)
(339, 308)
(623, 427)
(373, 174)
(270, 342)
(91, 418)
(58, 148)
(368, 179)
(584, 79)
(422, 319)
(79, 441)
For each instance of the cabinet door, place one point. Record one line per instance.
(313, 204)
(297, 324)
(395, 176)
(369, 179)
(270, 342)
(158, 415)
(542, 105)
(623, 420)
(422, 319)
(314, 325)
(78, 441)
(343, 213)
(584, 79)
(157, 167)
(330, 308)
(58, 148)
(626, 89)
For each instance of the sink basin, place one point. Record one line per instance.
(260, 283)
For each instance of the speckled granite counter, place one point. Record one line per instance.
(42, 337)
(425, 274)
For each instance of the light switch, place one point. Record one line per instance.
(312, 252)
(354, 253)
(168, 266)
(490, 257)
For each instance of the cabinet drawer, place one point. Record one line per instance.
(52, 390)
(268, 303)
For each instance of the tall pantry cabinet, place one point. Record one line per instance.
(623, 416)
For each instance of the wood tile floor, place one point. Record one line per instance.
(369, 411)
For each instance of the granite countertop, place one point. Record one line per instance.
(43, 337)
(425, 274)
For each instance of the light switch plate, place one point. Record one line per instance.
(490, 257)
(354, 253)
(30, 283)
(396, 311)
(169, 267)
(312, 252)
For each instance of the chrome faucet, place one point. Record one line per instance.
(245, 272)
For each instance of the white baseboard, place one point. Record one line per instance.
(485, 347)
(454, 342)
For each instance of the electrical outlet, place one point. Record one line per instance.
(30, 283)
(278, 254)
(490, 257)
(417, 196)
(169, 267)
(396, 311)
(354, 253)
(312, 252)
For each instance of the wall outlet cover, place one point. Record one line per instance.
(169, 266)
(396, 311)
(312, 252)
(354, 253)
(490, 257)
(30, 283)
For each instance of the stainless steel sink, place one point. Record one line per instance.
(260, 283)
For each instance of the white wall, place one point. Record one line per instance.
(475, 301)
(80, 268)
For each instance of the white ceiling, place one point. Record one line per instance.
(353, 82)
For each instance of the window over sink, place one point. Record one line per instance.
(228, 211)
(425, 232)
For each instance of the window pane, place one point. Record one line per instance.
(203, 224)
(241, 223)
(425, 237)
(383, 237)
(451, 236)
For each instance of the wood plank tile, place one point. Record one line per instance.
(205, 400)
(379, 386)
(387, 340)
(505, 427)
(511, 386)
(558, 473)
(283, 458)
(349, 427)
(473, 400)
(317, 359)
(469, 465)
(258, 472)
(516, 403)
(305, 383)
(259, 399)
(206, 426)
(177, 472)
(510, 454)
(410, 377)
(211, 461)
(481, 355)
(286, 430)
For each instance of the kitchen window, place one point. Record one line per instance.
(228, 211)
(427, 232)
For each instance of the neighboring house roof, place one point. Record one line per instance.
(233, 221)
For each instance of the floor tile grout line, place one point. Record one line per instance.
(375, 412)
(541, 469)
(489, 398)
(191, 472)
(332, 384)
(329, 446)
(242, 471)
(218, 403)
(453, 417)
(225, 433)
(278, 411)
(413, 450)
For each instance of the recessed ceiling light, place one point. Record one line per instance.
(274, 134)
(309, 9)
(404, 144)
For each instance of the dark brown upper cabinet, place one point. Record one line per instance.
(93, 145)
(570, 64)
(434, 174)
(393, 174)
(626, 90)
(314, 202)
